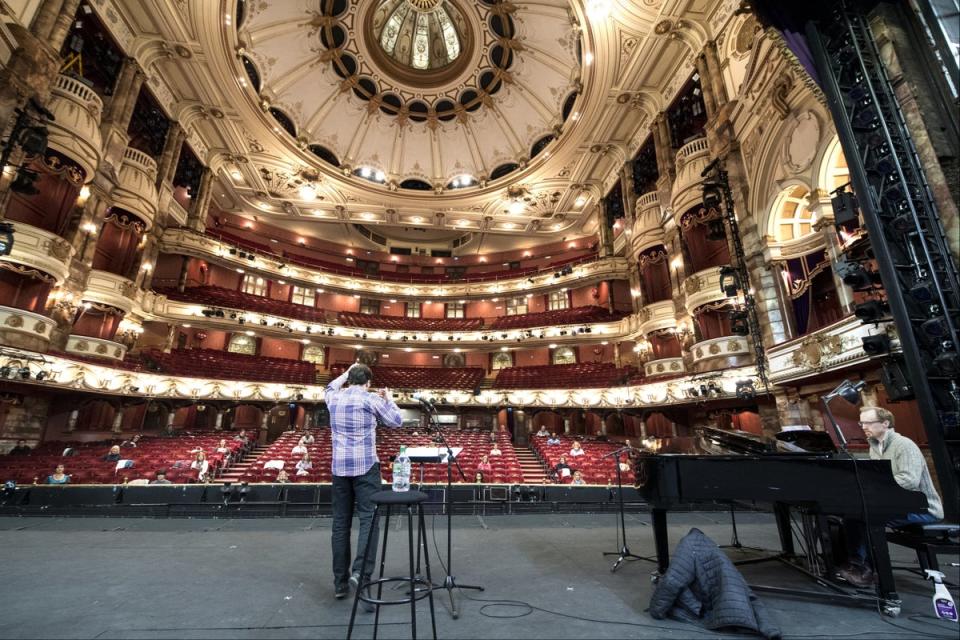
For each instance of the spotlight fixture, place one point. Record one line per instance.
(895, 381)
(716, 230)
(844, 208)
(936, 328)
(711, 196)
(871, 311)
(25, 182)
(876, 345)
(922, 291)
(41, 375)
(859, 278)
(745, 390)
(729, 282)
(947, 364)
(739, 323)
(24, 373)
(5, 371)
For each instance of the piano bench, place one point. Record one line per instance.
(929, 541)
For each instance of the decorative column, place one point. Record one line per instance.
(218, 424)
(629, 200)
(705, 85)
(264, 420)
(72, 421)
(606, 233)
(118, 112)
(666, 158)
(167, 165)
(566, 424)
(118, 420)
(197, 216)
(714, 75)
(61, 25)
(171, 414)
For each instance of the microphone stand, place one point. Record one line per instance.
(449, 582)
(624, 553)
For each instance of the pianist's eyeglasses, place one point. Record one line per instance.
(863, 424)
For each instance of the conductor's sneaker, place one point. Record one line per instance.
(355, 581)
(341, 591)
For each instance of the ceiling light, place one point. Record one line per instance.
(581, 201)
(379, 176)
(366, 215)
(308, 192)
(575, 116)
(587, 58)
(516, 207)
(552, 345)
(598, 9)
(416, 219)
(509, 225)
(365, 172)
(236, 175)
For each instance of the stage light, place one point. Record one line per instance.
(41, 375)
(24, 373)
(947, 364)
(895, 382)
(936, 328)
(5, 371)
(871, 311)
(858, 278)
(729, 282)
(740, 323)
(903, 223)
(876, 345)
(922, 291)
(711, 196)
(25, 182)
(745, 390)
(845, 209)
(716, 230)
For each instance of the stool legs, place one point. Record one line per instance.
(422, 535)
(413, 576)
(366, 554)
(383, 563)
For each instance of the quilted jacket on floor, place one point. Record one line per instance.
(702, 585)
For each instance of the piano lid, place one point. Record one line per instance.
(713, 441)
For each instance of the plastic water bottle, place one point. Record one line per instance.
(401, 471)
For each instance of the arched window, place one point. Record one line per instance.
(794, 220)
(243, 344)
(313, 353)
(564, 355)
(502, 360)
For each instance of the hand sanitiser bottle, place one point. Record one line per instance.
(943, 604)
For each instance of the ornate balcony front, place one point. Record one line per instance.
(657, 316)
(692, 158)
(647, 217)
(75, 132)
(110, 289)
(136, 190)
(664, 367)
(721, 353)
(96, 347)
(25, 329)
(834, 347)
(702, 288)
(41, 250)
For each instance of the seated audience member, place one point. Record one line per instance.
(600, 436)
(114, 454)
(553, 439)
(304, 465)
(58, 476)
(909, 470)
(298, 450)
(543, 433)
(282, 476)
(161, 477)
(308, 439)
(624, 465)
(485, 465)
(561, 470)
(241, 437)
(20, 450)
(578, 478)
(478, 478)
(132, 442)
(222, 447)
(202, 466)
(577, 450)
(495, 451)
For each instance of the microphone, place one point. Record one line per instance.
(425, 403)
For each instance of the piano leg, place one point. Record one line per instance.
(660, 539)
(886, 587)
(782, 514)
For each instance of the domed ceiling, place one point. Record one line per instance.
(421, 91)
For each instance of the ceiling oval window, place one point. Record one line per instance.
(419, 34)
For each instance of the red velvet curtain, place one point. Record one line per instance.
(24, 290)
(59, 184)
(117, 246)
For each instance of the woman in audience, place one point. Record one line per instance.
(495, 451)
(478, 478)
(561, 470)
(578, 478)
(58, 476)
(132, 442)
(304, 465)
(553, 439)
(299, 450)
(577, 450)
(201, 465)
(114, 454)
(543, 433)
(484, 466)
(308, 439)
(222, 447)
(624, 465)
(282, 476)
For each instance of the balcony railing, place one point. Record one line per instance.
(75, 129)
(96, 347)
(720, 353)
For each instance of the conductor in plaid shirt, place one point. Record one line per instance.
(355, 412)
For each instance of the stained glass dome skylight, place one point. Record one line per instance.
(421, 35)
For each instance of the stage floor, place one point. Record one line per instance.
(205, 578)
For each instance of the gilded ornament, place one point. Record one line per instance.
(734, 345)
(14, 321)
(674, 366)
(699, 353)
(714, 349)
(40, 327)
(81, 346)
(101, 349)
(660, 368)
(693, 284)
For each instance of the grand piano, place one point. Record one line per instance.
(798, 470)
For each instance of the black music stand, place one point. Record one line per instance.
(624, 553)
(449, 581)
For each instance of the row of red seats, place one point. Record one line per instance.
(399, 323)
(575, 315)
(225, 365)
(233, 299)
(465, 378)
(593, 465)
(588, 375)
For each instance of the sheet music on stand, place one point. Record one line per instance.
(419, 455)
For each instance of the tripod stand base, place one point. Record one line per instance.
(450, 584)
(624, 555)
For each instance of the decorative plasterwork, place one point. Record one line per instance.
(834, 347)
(724, 347)
(657, 316)
(187, 242)
(664, 367)
(75, 129)
(64, 373)
(30, 325)
(96, 347)
(112, 290)
(702, 288)
(40, 249)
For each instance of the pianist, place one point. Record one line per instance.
(909, 470)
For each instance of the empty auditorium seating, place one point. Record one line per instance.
(576, 315)
(583, 375)
(595, 468)
(465, 378)
(233, 299)
(224, 365)
(397, 323)
(86, 466)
